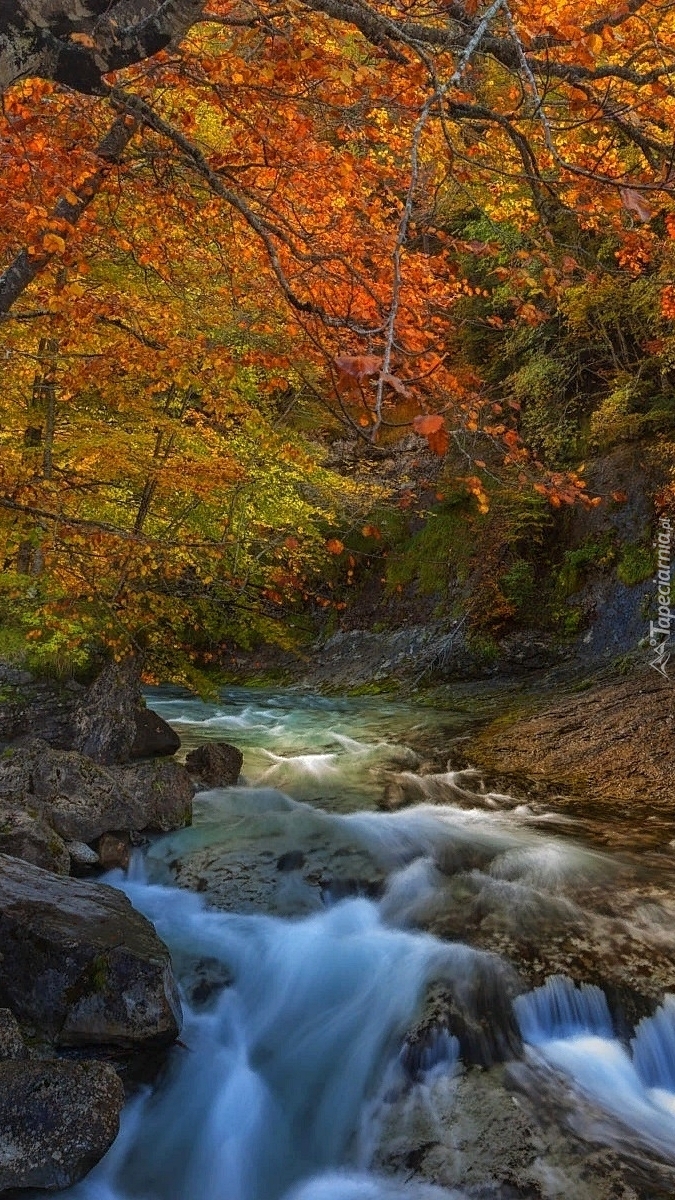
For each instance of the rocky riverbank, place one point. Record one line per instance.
(87, 994)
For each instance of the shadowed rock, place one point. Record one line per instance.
(28, 836)
(57, 1119)
(80, 965)
(12, 1045)
(216, 764)
(479, 1013)
(80, 800)
(108, 721)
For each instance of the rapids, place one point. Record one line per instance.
(296, 939)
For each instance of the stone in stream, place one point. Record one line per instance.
(474, 1132)
(216, 764)
(80, 965)
(114, 850)
(479, 1014)
(57, 1120)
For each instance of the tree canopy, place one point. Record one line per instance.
(229, 229)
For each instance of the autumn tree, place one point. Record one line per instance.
(220, 213)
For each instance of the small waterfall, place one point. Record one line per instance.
(561, 1010)
(653, 1048)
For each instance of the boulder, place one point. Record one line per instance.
(81, 855)
(80, 800)
(23, 835)
(216, 764)
(153, 737)
(160, 794)
(108, 721)
(80, 965)
(111, 723)
(57, 1119)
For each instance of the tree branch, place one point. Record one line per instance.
(27, 266)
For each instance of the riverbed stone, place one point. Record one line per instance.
(216, 764)
(57, 1120)
(12, 1045)
(80, 965)
(479, 1133)
(114, 850)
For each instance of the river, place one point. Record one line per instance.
(298, 918)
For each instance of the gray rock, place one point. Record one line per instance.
(153, 736)
(81, 800)
(11, 1042)
(160, 793)
(111, 723)
(80, 965)
(107, 721)
(217, 764)
(57, 1119)
(82, 855)
(104, 724)
(27, 836)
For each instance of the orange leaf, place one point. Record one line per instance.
(438, 441)
(358, 366)
(53, 244)
(334, 546)
(594, 43)
(425, 425)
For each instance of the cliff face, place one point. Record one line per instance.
(450, 594)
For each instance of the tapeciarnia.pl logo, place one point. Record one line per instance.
(660, 630)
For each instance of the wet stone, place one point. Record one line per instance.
(293, 860)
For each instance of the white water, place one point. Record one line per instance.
(268, 1088)
(276, 1088)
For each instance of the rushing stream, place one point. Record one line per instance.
(297, 934)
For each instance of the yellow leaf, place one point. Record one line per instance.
(594, 43)
(53, 244)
